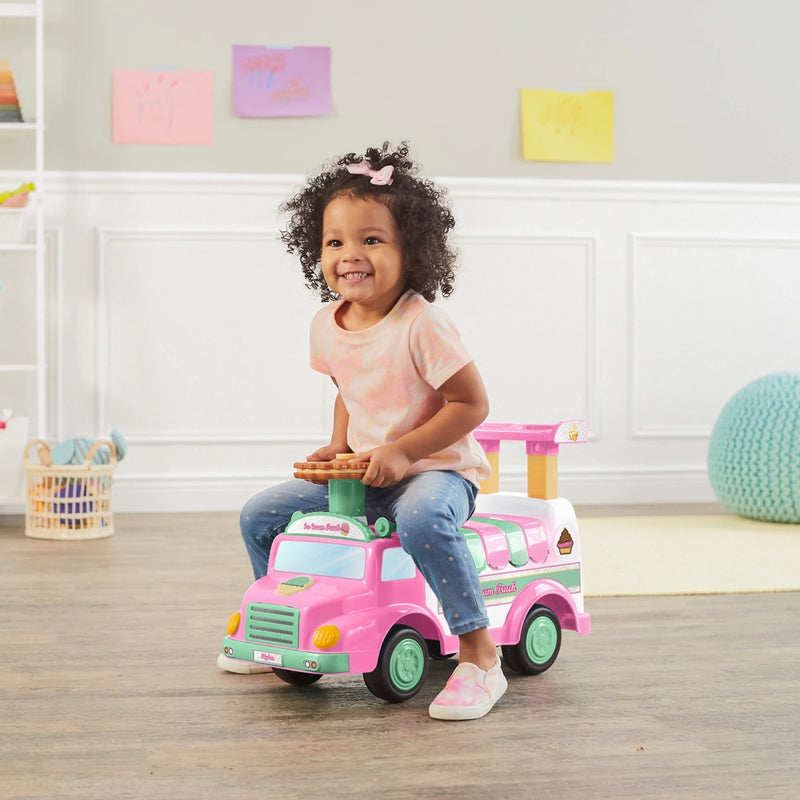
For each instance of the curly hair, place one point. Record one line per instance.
(419, 208)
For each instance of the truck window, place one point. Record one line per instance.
(397, 565)
(321, 558)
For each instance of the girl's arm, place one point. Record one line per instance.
(466, 407)
(338, 443)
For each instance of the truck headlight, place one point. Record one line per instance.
(233, 623)
(325, 637)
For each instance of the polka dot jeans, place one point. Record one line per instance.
(428, 508)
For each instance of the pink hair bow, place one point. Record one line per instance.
(380, 177)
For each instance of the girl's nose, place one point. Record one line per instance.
(352, 252)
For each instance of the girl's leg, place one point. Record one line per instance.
(478, 648)
(268, 513)
(429, 508)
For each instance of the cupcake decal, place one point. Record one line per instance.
(565, 543)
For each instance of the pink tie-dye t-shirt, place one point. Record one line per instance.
(389, 377)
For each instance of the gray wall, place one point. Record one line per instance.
(705, 90)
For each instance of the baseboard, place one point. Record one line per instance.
(215, 492)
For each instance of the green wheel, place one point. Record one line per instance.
(539, 643)
(402, 666)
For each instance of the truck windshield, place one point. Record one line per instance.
(320, 558)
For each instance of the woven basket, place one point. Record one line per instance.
(70, 501)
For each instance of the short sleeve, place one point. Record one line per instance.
(436, 346)
(317, 360)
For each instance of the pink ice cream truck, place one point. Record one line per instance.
(342, 596)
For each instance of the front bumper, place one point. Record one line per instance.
(287, 658)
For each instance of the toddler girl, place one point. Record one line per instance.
(372, 238)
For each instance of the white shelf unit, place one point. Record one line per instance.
(31, 14)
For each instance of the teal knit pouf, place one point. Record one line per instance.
(754, 452)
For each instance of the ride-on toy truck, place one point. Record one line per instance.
(342, 596)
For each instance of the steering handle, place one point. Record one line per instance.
(339, 469)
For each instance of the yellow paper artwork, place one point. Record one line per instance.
(567, 126)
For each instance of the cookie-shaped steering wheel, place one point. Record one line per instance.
(338, 469)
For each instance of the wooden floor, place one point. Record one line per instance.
(109, 689)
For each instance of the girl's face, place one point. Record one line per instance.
(361, 259)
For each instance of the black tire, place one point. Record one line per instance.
(402, 666)
(296, 678)
(510, 657)
(435, 650)
(539, 643)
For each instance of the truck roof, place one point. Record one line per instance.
(501, 539)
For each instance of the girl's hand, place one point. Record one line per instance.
(387, 465)
(328, 452)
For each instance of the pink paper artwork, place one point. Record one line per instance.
(163, 107)
(281, 81)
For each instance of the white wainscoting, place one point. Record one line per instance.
(176, 317)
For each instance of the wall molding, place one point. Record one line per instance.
(636, 243)
(194, 460)
(88, 182)
(105, 238)
(588, 244)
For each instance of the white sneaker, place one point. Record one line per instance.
(240, 667)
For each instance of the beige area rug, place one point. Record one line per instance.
(704, 554)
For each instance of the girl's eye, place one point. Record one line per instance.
(333, 243)
(372, 240)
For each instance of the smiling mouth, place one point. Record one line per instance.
(355, 276)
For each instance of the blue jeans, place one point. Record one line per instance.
(428, 509)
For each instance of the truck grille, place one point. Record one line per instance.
(272, 624)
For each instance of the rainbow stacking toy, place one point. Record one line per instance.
(9, 102)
